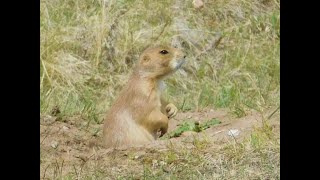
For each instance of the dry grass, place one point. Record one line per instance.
(88, 48)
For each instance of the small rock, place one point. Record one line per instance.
(165, 169)
(139, 155)
(189, 117)
(154, 163)
(47, 120)
(54, 144)
(197, 4)
(65, 128)
(233, 132)
(162, 163)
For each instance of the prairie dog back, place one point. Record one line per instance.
(140, 112)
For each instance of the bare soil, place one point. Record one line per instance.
(73, 147)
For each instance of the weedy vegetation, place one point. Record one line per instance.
(87, 51)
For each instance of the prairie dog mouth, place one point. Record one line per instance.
(180, 63)
(176, 64)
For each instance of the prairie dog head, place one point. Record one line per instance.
(159, 61)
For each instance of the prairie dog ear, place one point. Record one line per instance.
(145, 59)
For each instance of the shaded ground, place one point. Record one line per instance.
(72, 148)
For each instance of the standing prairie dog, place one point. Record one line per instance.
(140, 112)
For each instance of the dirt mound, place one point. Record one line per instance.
(72, 146)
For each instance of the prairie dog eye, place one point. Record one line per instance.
(164, 52)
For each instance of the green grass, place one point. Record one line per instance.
(88, 49)
(191, 126)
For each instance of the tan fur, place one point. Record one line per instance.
(140, 112)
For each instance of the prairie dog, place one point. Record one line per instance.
(140, 112)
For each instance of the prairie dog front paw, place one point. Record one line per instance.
(171, 110)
